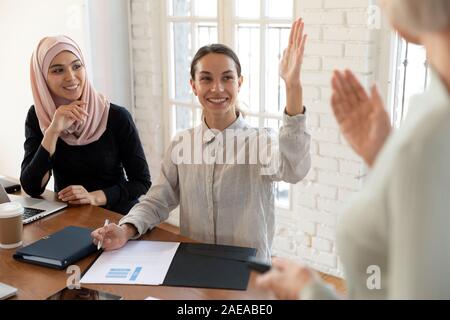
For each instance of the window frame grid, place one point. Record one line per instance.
(171, 103)
(264, 22)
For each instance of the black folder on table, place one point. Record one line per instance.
(209, 266)
(59, 249)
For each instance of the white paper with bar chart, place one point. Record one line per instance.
(138, 262)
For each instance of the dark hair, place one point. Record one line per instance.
(215, 48)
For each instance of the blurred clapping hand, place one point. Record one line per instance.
(362, 118)
(286, 279)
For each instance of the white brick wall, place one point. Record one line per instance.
(338, 38)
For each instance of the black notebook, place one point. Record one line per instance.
(59, 249)
(210, 266)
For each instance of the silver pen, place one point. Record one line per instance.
(100, 243)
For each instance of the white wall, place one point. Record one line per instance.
(110, 49)
(100, 27)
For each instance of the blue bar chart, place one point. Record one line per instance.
(123, 273)
(118, 273)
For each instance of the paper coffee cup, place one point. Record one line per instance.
(11, 225)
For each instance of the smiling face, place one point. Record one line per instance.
(66, 76)
(216, 84)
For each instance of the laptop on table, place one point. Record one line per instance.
(34, 208)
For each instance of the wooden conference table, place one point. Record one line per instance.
(37, 282)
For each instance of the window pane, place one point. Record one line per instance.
(282, 194)
(198, 116)
(280, 8)
(415, 73)
(252, 121)
(277, 41)
(248, 8)
(206, 34)
(206, 8)
(180, 8)
(182, 118)
(399, 74)
(272, 123)
(181, 50)
(248, 47)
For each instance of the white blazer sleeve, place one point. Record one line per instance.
(419, 236)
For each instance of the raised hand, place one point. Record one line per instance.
(291, 62)
(66, 115)
(290, 68)
(363, 120)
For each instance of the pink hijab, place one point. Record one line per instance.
(44, 102)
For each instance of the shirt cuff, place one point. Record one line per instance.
(302, 115)
(43, 160)
(136, 224)
(294, 125)
(304, 112)
(112, 196)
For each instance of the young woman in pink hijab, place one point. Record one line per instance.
(76, 134)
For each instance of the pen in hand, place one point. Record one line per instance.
(100, 243)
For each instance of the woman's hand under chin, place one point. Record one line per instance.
(66, 115)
